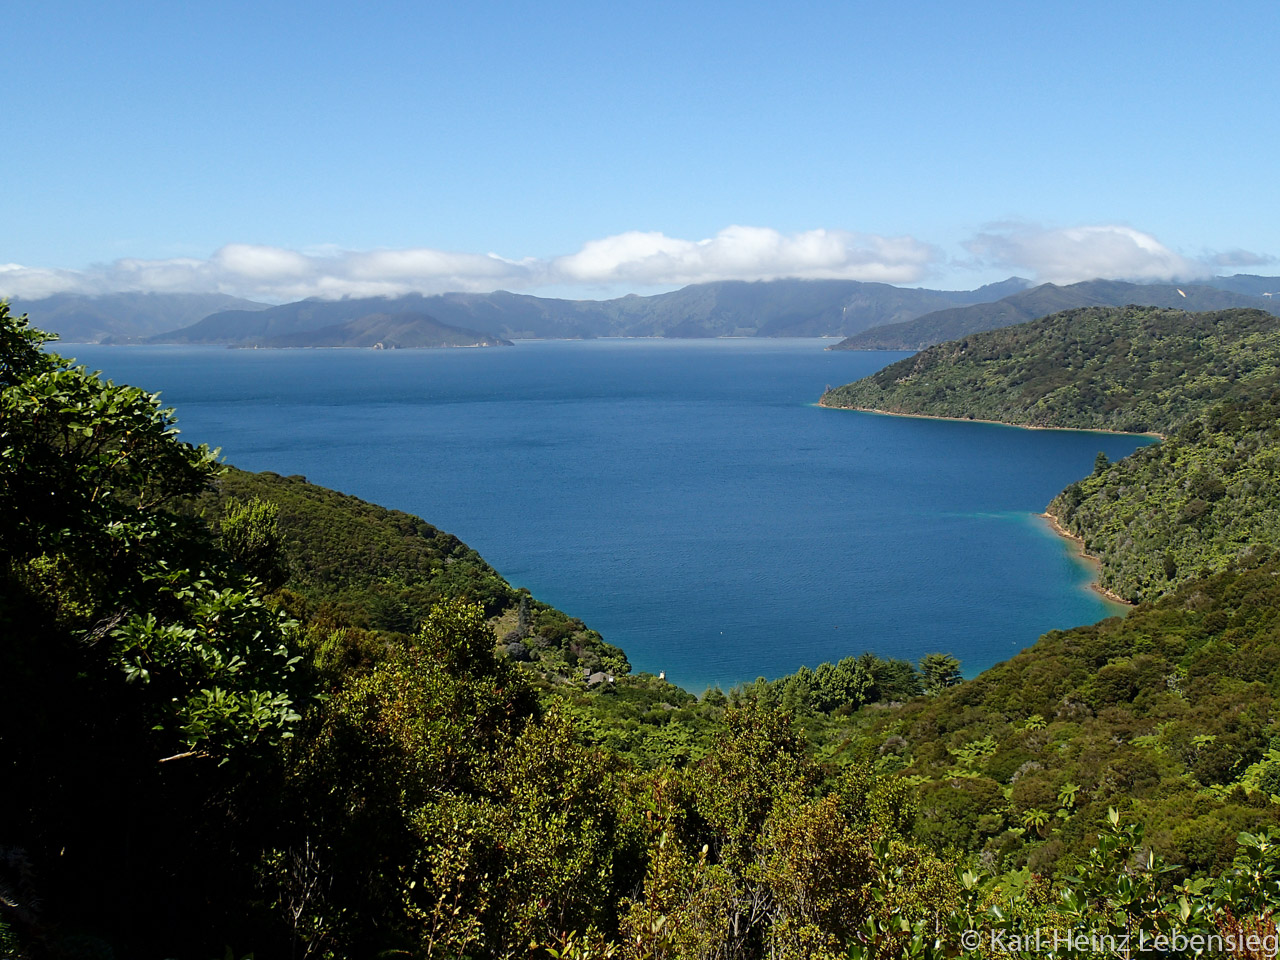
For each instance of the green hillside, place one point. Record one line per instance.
(375, 571)
(1170, 512)
(1137, 369)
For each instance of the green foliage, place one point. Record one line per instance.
(1099, 368)
(86, 468)
(394, 759)
(647, 721)
(537, 850)
(1120, 900)
(251, 536)
(217, 675)
(835, 687)
(939, 671)
(130, 638)
(1168, 513)
(748, 858)
(374, 567)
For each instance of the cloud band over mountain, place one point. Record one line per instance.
(633, 260)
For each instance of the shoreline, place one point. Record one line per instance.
(1094, 562)
(998, 423)
(1054, 525)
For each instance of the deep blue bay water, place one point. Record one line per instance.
(685, 498)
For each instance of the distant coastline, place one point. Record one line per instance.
(998, 423)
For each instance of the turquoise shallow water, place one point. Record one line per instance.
(684, 498)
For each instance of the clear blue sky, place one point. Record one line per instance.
(276, 147)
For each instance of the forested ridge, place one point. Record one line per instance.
(1135, 369)
(241, 714)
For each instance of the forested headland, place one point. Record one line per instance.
(242, 714)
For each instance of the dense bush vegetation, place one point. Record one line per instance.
(379, 568)
(1168, 714)
(147, 687)
(1135, 369)
(1184, 507)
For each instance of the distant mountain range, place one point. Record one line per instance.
(774, 308)
(871, 315)
(1248, 284)
(124, 316)
(1049, 298)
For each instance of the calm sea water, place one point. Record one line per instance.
(684, 498)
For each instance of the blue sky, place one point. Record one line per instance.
(278, 149)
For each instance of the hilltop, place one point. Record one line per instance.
(868, 315)
(332, 323)
(956, 322)
(388, 331)
(771, 308)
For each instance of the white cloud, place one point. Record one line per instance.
(624, 261)
(268, 264)
(158, 276)
(33, 283)
(1082, 253)
(747, 253)
(1240, 258)
(631, 261)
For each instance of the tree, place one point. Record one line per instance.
(129, 637)
(251, 535)
(940, 670)
(89, 474)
